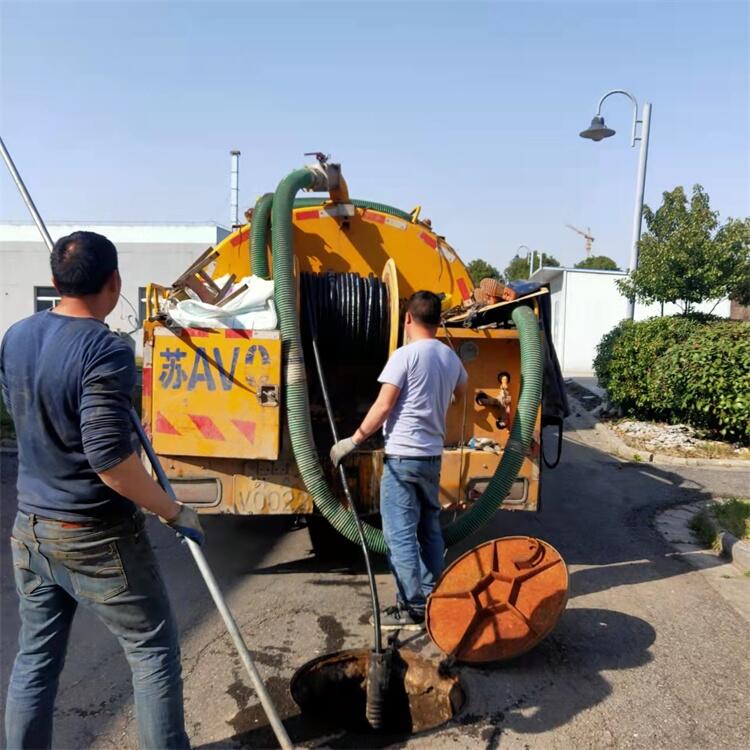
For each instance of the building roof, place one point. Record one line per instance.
(547, 273)
(201, 233)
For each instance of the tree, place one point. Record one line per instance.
(518, 268)
(598, 262)
(480, 269)
(686, 257)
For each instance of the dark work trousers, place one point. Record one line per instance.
(109, 568)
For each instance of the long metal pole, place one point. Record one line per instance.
(200, 560)
(26, 197)
(234, 207)
(640, 187)
(221, 605)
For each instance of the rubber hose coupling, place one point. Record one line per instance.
(378, 680)
(320, 179)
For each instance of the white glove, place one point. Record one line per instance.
(342, 448)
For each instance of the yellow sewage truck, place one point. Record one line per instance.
(236, 415)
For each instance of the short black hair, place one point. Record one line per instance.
(82, 262)
(425, 308)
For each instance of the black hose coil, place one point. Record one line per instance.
(352, 313)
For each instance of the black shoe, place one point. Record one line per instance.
(395, 618)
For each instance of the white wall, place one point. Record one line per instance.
(719, 308)
(586, 305)
(145, 256)
(593, 306)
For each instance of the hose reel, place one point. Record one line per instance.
(352, 313)
(298, 407)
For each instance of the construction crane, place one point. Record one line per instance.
(586, 234)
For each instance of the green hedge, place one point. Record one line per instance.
(680, 369)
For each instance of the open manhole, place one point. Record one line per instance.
(332, 690)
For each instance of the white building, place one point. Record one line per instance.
(147, 253)
(587, 304)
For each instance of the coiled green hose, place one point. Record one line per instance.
(298, 407)
(382, 207)
(259, 236)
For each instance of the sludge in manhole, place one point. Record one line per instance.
(332, 690)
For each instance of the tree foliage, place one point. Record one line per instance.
(518, 268)
(684, 368)
(686, 257)
(480, 269)
(598, 262)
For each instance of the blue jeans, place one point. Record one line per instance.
(110, 569)
(410, 510)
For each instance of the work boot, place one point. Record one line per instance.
(395, 618)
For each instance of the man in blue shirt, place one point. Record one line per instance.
(417, 385)
(79, 534)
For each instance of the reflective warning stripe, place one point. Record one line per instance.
(195, 333)
(207, 427)
(373, 217)
(164, 425)
(391, 221)
(238, 239)
(428, 239)
(304, 215)
(331, 210)
(446, 251)
(246, 427)
(463, 288)
(396, 223)
(146, 381)
(236, 333)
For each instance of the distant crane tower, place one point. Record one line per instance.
(586, 234)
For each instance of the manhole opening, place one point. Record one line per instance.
(332, 689)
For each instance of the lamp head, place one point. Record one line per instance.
(597, 131)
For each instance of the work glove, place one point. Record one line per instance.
(342, 448)
(186, 524)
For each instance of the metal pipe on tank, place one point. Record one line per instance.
(235, 188)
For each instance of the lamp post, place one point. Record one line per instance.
(597, 131)
(529, 255)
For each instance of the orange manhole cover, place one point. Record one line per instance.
(498, 600)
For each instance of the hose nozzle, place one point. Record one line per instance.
(378, 679)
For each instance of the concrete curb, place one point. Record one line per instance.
(674, 525)
(737, 550)
(612, 443)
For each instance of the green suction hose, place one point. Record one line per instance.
(298, 407)
(382, 207)
(521, 433)
(259, 236)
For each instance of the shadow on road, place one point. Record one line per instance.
(598, 513)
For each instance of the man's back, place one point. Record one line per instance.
(427, 372)
(67, 383)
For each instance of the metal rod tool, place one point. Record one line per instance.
(216, 595)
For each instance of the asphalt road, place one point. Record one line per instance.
(650, 652)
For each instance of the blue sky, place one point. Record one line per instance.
(126, 111)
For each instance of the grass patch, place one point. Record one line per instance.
(700, 524)
(734, 516)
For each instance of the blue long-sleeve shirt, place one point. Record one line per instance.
(67, 383)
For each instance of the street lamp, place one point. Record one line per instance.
(529, 255)
(597, 131)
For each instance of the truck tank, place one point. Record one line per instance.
(237, 416)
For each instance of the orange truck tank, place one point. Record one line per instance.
(213, 399)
